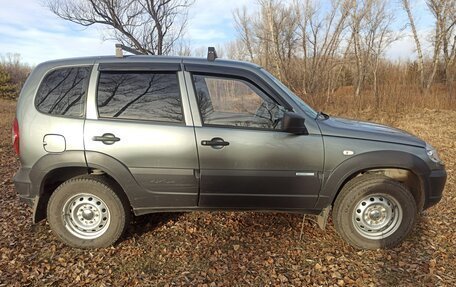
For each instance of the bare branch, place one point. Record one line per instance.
(149, 26)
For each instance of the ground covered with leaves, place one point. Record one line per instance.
(232, 248)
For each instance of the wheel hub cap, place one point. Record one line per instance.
(377, 216)
(86, 216)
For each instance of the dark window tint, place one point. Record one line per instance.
(63, 92)
(139, 95)
(235, 102)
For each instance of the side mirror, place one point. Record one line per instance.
(294, 123)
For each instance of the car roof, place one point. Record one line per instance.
(145, 59)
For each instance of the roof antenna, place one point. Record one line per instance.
(120, 48)
(211, 54)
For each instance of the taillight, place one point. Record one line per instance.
(15, 136)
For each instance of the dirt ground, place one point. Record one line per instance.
(233, 249)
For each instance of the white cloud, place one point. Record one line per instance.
(405, 49)
(38, 35)
(32, 30)
(211, 22)
(36, 46)
(402, 50)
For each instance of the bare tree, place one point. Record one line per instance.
(419, 50)
(149, 26)
(236, 49)
(269, 35)
(259, 33)
(322, 36)
(444, 37)
(18, 70)
(449, 49)
(326, 50)
(371, 22)
(361, 46)
(437, 8)
(449, 33)
(243, 20)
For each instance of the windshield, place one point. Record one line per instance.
(307, 109)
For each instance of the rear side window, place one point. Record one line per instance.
(63, 92)
(149, 96)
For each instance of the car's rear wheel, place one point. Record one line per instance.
(87, 212)
(374, 211)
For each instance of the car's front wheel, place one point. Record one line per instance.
(87, 212)
(374, 211)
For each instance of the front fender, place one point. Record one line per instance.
(336, 178)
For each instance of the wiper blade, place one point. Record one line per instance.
(322, 115)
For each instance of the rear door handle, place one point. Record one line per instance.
(216, 143)
(107, 138)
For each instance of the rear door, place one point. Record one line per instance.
(142, 120)
(246, 161)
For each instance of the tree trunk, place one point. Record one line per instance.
(406, 5)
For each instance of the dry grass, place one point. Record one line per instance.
(393, 98)
(233, 249)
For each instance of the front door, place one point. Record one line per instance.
(246, 161)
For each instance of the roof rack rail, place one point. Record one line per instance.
(211, 54)
(120, 48)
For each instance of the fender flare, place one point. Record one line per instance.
(50, 162)
(371, 160)
(78, 163)
(118, 171)
(74, 160)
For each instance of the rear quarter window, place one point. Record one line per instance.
(63, 92)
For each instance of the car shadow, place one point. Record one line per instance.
(142, 224)
(402, 269)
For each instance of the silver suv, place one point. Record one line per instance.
(101, 138)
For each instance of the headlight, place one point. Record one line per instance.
(432, 154)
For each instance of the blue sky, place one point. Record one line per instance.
(38, 35)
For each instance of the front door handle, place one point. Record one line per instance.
(216, 143)
(107, 139)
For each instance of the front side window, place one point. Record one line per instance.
(140, 95)
(307, 109)
(235, 102)
(63, 91)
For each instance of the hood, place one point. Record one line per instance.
(340, 127)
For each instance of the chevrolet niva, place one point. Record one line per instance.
(102, 138)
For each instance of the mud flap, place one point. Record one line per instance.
(322, 218)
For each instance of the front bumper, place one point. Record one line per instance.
(436, 184)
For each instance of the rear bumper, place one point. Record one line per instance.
(23, 186)
(437, 180)
(25, 190)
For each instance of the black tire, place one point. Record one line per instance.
(374, 211)
(87, 202)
